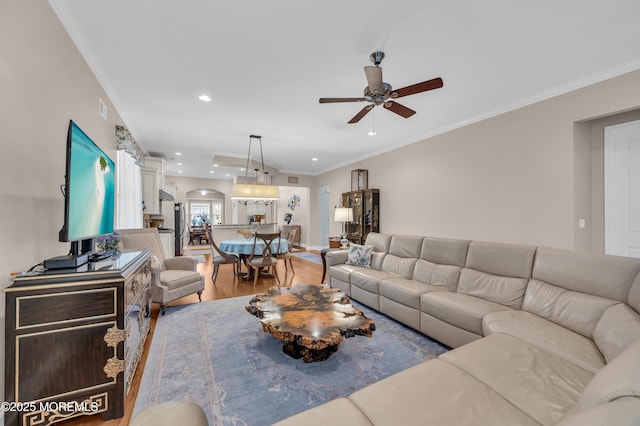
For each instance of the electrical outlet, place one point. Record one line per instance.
(581, 223)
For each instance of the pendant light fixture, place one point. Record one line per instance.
(258, 192)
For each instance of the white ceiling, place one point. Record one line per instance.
(266, 63)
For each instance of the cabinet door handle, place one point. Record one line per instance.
(114, 335)
(113, 367)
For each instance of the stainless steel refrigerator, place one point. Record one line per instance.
(179, 227)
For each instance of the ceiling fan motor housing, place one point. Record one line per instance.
(376, 57)
(378, 98)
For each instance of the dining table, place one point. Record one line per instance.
(244, 247)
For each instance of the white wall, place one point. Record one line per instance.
(516, 177)
(300, 214)
(44, 82)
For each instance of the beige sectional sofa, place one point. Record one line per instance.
(541, 335)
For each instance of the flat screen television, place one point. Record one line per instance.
(89, 192)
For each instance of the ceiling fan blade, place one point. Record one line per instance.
(374, 78)
(399, 109)
(333, 100)
(435, 83)
(361, 114)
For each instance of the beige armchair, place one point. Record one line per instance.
(171, 278)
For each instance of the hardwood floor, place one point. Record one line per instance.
(305, 272)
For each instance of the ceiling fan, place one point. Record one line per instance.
(381, 93)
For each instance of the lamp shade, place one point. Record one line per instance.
(343, 214)
(248, 191)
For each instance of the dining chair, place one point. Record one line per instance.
(193, 235)
(222, 258)
(288, 255)
(266, 258)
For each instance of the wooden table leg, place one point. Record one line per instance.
(323, 255)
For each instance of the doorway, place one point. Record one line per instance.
(622, 189)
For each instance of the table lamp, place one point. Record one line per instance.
(343, 214)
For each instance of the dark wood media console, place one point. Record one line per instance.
(73, 339)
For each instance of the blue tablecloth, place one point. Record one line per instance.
(244, 246)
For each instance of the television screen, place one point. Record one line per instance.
(89, 192)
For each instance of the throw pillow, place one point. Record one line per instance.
(360, 255)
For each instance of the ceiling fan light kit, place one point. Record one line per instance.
(380, 93)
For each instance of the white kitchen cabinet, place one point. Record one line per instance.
(152, 183)
(167, 244)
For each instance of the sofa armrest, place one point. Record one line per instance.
(337, 257)
(185, 263)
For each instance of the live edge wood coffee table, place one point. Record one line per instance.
(310, 320)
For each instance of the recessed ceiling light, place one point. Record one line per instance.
(178, 153)
(242, 169)
(215, 165)
(372, 133)
(228, 175)
(211, 171)
(179, 164)
(179, 171)
(205, 98)
(314, 159)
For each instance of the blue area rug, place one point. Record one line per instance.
(311, 257)
(216, 354)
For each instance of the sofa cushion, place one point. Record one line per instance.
(177, 278)
(576, 311)
(359, 255)
(406, 292)
(368, 279)
(458, 309)
(591, 273)
(618, 328)
(337, 411)
(380, 242)
(403, 253)
(342, 272)
(537, 382)
(446, 276)
(618, 379)
(402, 266)
(509, 260)
(171, 413)
(507, 291)
(435, 393)
(376, 260)
(543, 333)
(623, 411)
(445, 251)
(405, 246)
